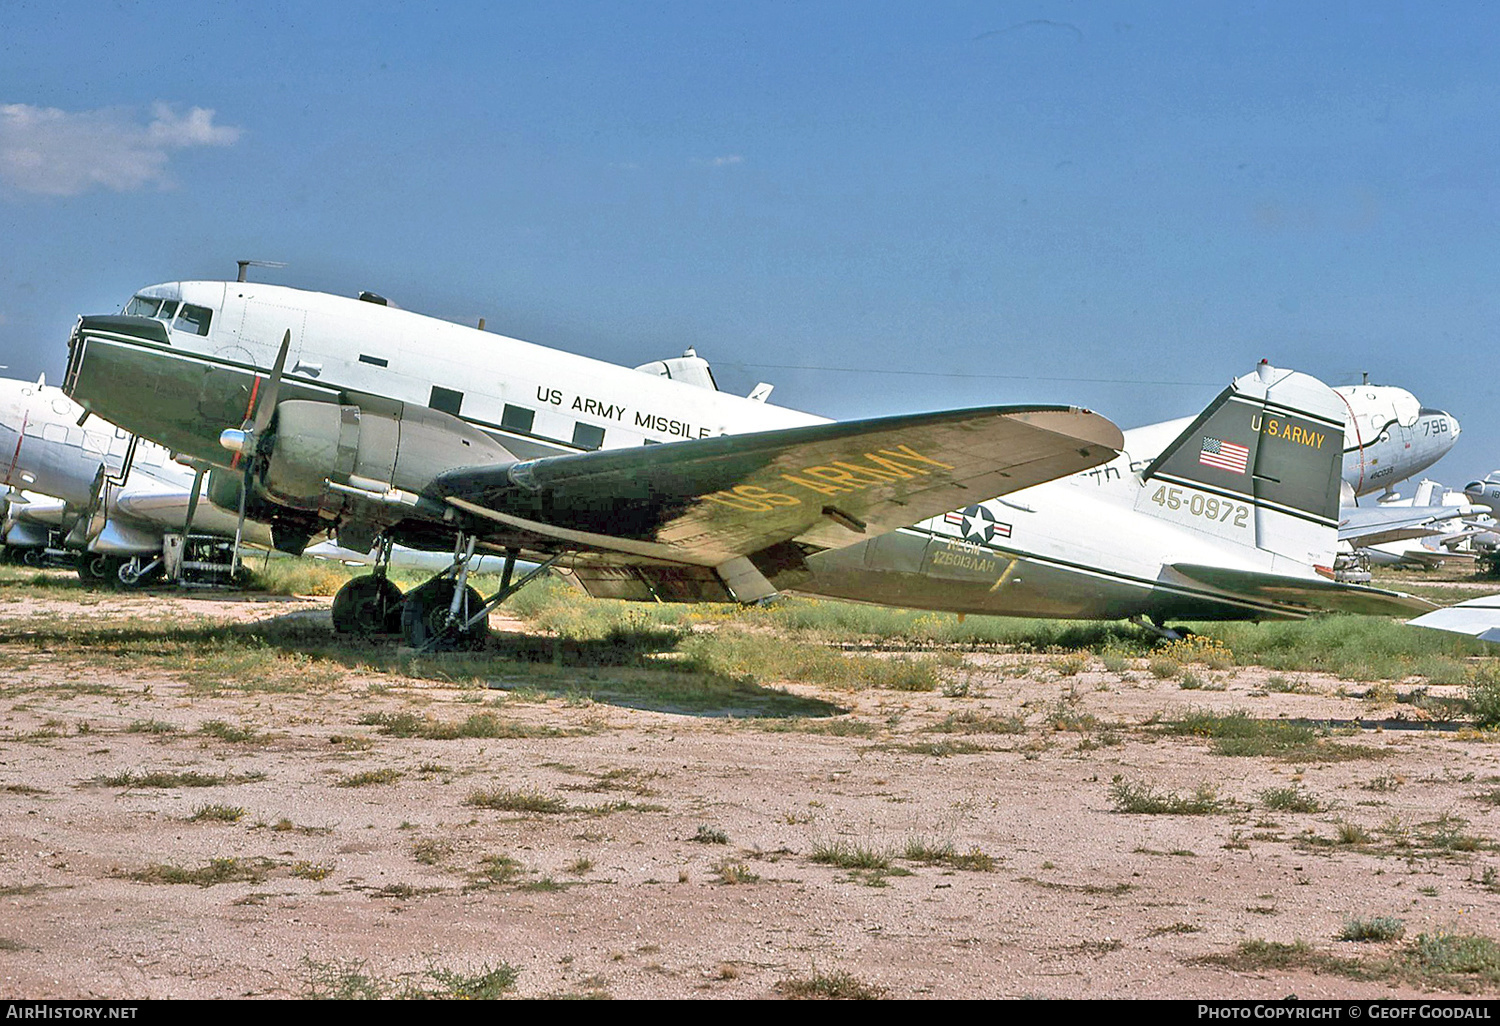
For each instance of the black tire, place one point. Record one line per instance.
(125, 578)
(97, 568)
(34, 558)
(424, 612)
(367, 605)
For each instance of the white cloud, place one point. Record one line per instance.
(55, 152)
(724, 161)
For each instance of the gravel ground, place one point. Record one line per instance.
(675, 855)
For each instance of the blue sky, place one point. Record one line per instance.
(1115, 205)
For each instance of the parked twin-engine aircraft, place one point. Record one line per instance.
(379, 422)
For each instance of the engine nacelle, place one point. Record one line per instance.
(367, 453)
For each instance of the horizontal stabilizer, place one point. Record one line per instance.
(1314, 594)
(707, 501)
(1478, 617)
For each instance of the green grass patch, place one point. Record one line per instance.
(217, 814)
(1290, 799)
(165, 779)
(369, 777)
(216, 871)
(943, 853)
(351, 981)
(479, 725)
(709, 835)
(1240, 734)
(836, 986)
(1143, 799)
(1374, 929)
(227, 731)
(849, 856)
(516, 801)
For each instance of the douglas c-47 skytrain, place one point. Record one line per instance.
(322, 414)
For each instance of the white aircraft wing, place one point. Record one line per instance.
(1478, 617)
(1375, 525)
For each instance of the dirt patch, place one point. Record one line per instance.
(368, 830)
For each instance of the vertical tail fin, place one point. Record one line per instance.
(1262, 465)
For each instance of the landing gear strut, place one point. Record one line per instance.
(446, 614)
(429, 623)
(370, 604)
(442, 615)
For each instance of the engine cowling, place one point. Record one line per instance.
(313, 443)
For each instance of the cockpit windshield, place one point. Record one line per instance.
(143, 306)
(189, 318)
(148, 306)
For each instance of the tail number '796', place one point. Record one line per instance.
(1199, 505)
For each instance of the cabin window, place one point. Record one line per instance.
(168, 310)
(587, 436)
(446, 399)
(374, 361)
(517, 418)
(143, 306)
(193, 319)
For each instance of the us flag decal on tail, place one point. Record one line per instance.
(1224, 455)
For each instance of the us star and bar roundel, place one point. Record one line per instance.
(977, 524)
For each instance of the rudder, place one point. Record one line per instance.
(1270, 449)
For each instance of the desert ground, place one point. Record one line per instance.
(197, 801)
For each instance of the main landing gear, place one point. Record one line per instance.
(369, 604)
(443, 614)
(118, 571)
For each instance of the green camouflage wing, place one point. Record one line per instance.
(712, 500)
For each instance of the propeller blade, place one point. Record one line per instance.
(239, 524)
(267, 408)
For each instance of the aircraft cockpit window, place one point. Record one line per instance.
(193, 319)
(143, 306)
(168, 310)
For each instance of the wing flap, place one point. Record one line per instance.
(1312, 594)
(712, 500)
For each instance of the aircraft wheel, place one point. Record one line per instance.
(34, 558)
(424, 612)
(368, 605)
(97, 568)
(132, 574)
